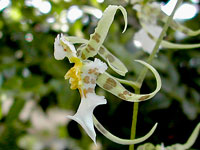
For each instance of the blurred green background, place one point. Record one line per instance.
(35, 99)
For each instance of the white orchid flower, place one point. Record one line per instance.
(149, 14)
(85, 74)
(144, 38)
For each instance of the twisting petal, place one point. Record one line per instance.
(59, 52)
(63, 48)
(85, 112)
(152, 38)
(186, 146)
(166, 44)
(110, 84)
(119, 140)
(89, 100)
(98, 37)
(192, 137)
(189, 142)
(113, 62)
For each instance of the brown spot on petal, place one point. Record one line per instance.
(96, 37)
(110, 58)
(83, 56)
(78, 52)
(107, 86)
(93, 81)
(90, 90)
(143, 97)
(86, 91)
(90, 47)
(87, 50)
(96, 73)
(86, 79)
(101, 50)
(110, 83)
(127, 93)
(90, 71)
(121, 96)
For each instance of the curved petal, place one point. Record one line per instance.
(63, 48)
(118, 140)
(101, 31)
(153, 35)
(166, 44)
(59, 52)
(110, 84)
(189, 142)
(192, 137)
(114, 63)
(85, 111)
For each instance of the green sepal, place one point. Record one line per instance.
(118, 140)
(110, 84)
(97, 38)
(114, 63)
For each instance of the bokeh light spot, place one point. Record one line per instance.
(74, 13)
(137, 43)
(4, 4)
(100, 1)
(29, 37)
(185, 11)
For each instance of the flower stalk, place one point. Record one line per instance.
(145, 70)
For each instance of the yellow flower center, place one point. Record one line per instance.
(75, 74)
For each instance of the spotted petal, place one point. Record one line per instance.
(113, 62)
(89, 100)
(112, 85)
(63, 48)
(101, 31)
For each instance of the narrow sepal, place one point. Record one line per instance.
(114, 63)
(110, 84)
(101, 31)
(118, 140)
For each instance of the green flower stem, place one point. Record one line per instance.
(145, 70)
(134, 120)
(156, 47)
